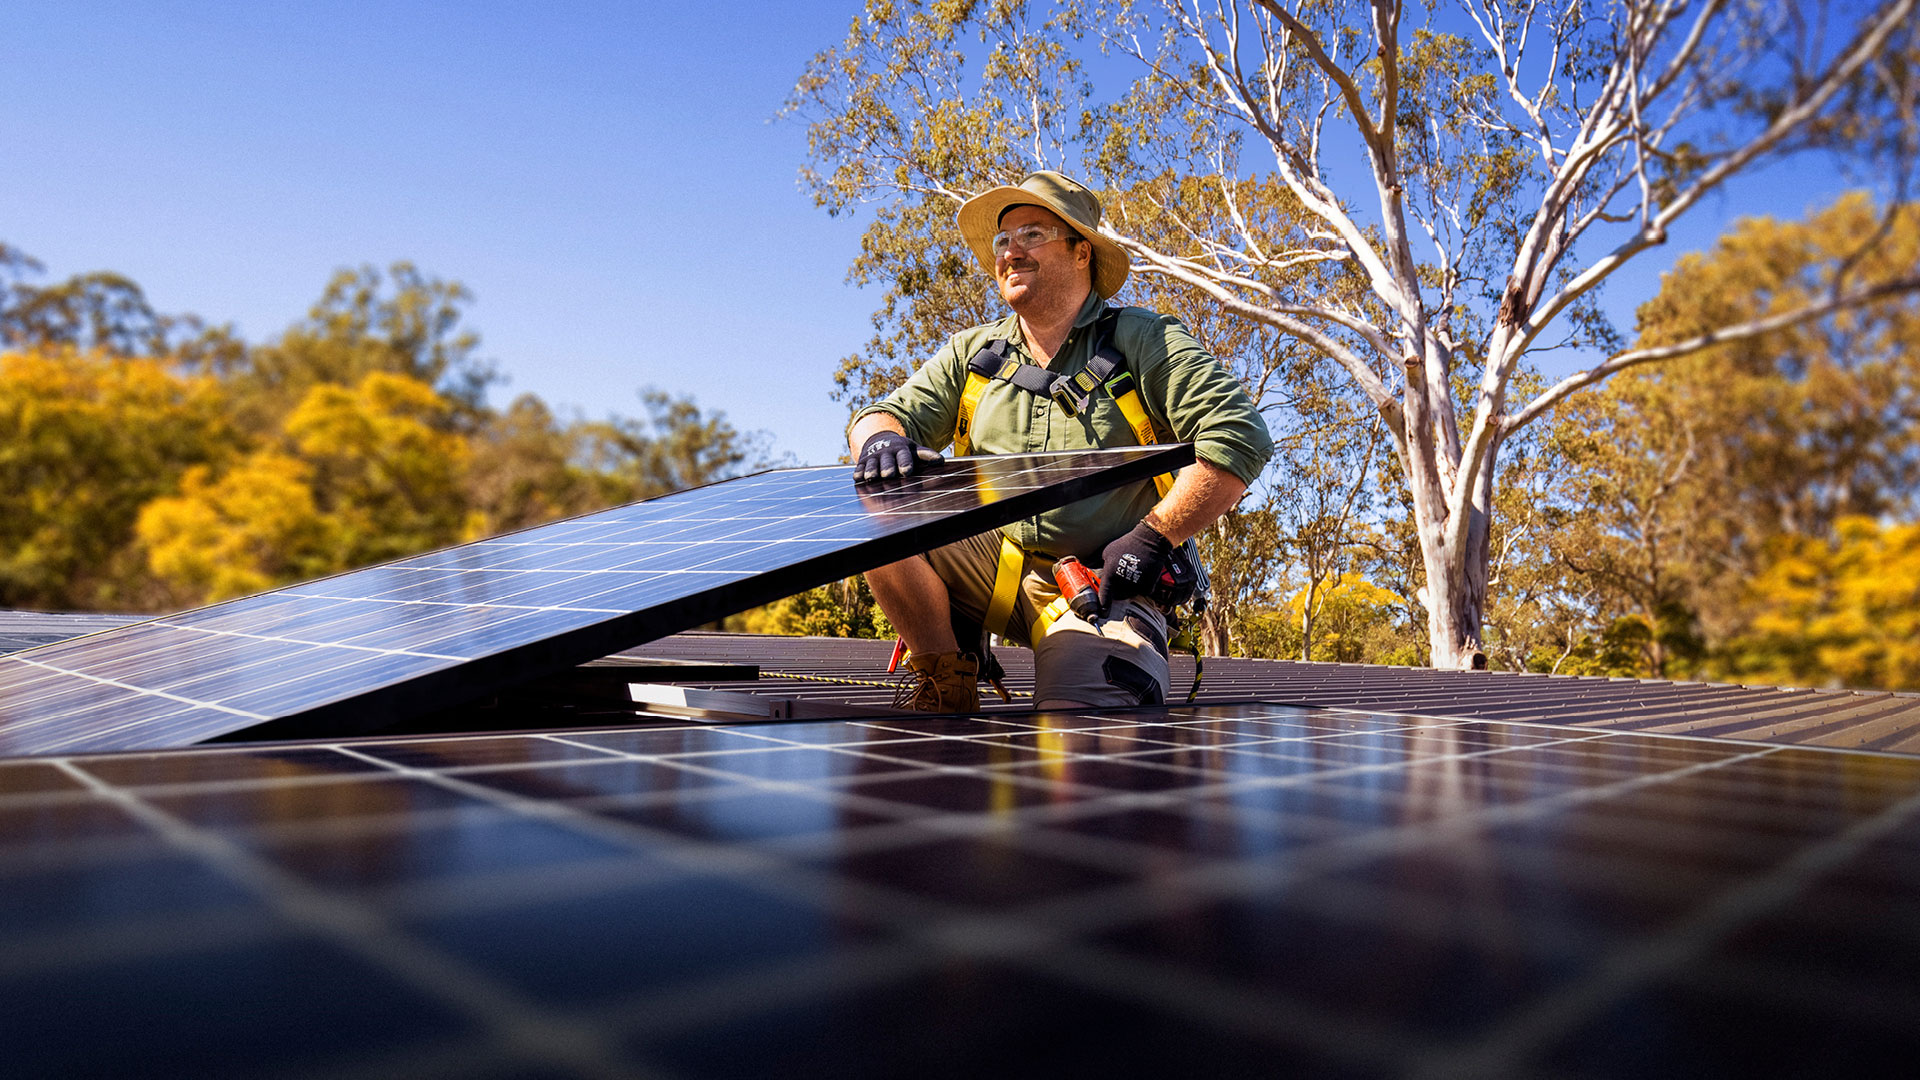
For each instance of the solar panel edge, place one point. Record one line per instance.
(395, 562)
(371, 708)
(384, 706)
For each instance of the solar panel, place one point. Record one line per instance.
(353, 653)
(1243, 890)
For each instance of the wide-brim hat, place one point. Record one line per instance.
(980, 219)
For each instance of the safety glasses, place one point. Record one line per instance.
(1026, 238)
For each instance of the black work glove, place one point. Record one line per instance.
(1130, 565)
(887, 454)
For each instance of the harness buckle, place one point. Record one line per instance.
(1063, 396)
(1073, 392)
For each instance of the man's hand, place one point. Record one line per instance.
(1130, 565)
(887, 454)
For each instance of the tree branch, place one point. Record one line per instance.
(1864, 48)
(1349, 90)
(1355, 367)
(1739, 332)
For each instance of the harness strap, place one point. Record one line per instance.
(1128, 399)
(1074, 393)
(1107, 367)
(1047, 617)
(1006, 593)
(1006, 585)
(962, 427)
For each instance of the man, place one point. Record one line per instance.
(1041, 243)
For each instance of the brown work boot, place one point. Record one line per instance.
(940, 683)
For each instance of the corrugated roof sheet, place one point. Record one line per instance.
(854, 671)
(826, 671)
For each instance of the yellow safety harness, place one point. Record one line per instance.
(1105, 370)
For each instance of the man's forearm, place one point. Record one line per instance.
(869, 425)
(1200, 494)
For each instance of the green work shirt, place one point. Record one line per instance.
(1187, 394)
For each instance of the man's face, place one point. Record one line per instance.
(1051, 273)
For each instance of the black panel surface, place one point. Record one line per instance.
(352, 653)
(1227, 891)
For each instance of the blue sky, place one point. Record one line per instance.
(606, 177)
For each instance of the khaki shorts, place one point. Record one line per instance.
(1124, 662)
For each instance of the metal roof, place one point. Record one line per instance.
(824, 672)
(854, 672)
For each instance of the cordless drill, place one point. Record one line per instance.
(1081, 588)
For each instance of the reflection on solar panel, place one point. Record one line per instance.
(1225, 891)
(354, 652)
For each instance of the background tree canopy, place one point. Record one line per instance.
(1380, 215)
(149, 462)
(1422, 197)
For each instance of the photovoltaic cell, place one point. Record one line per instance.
(1238, 890)
(354, 652)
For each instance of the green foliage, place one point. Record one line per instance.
(844, 608)
(526, 467)
(86, 440)
(675, 447)
(1843, 611)
(910, 104)
(97, 311)
(402, 322)
(1353, 618)
(1681, 486)
(1243, 552)
(205, 467)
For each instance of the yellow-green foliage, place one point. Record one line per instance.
(215, 468)
(251, 528)
(360, 475)
(384, 466)
(1352, 612)
(1844, 611)
(1353, 623)
(86, 440)
(842, 609)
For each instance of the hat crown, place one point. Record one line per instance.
(1065, 193)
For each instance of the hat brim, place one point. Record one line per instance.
(979, 219)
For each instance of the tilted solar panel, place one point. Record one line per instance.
(354, 652)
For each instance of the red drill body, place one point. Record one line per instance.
(1080, 587)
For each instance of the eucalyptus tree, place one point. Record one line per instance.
(1460, 180)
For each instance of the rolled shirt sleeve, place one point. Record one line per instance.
(928, 403)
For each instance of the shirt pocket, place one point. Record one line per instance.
(1102, 423)
(1002, 420)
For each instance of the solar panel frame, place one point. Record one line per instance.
(339, 665)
